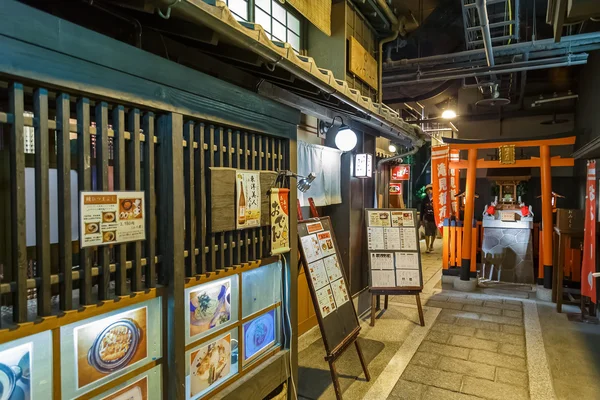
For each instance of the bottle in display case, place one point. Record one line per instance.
(242, 206)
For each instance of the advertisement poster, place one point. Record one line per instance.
(363, 168)
(383, 278)
(375, 238)
(314, 227)
(325, 301)
(340, 293)
(407, 278)
(111, 217)
(588, 282)
(318, 274)
(326, 243)
(311, 247)
(408, 239)
(441, 187)
(259, 334)
(402, 218)
(108, 345)
(15, 373)
(407, 261)
(209, 365)
(280, 226)
(392, 238)
(247, 199)
(210, 306)
(333, 268)
(136, 391)
(382, 261)
(379, 218)
(401, 173)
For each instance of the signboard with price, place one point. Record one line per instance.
(111, 217)
(401, 173)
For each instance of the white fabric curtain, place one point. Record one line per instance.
(326, 163)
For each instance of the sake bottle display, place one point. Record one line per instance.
(242, 206)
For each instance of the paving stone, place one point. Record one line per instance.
(513, 302)
(512, 377)
(444, 304)
(506, 293)
(442, 394)
(493, 390)
(515, 330)
(446, 318)
(513, 313)
(473, 302)
(406, 390)
(445, 350)
(439, 297)
(473, 343)
(497, 359)
(477, 324)
(455, 329)
(432, 377)
(502, 319)
(503, 306)
(459, 314)
(501, 337)
(425, 359)
(512, 349)
(470, 368)
(483, 310)
(438, 336)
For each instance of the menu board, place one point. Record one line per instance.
(327, 282)
(393, 247)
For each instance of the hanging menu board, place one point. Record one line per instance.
(327, 281)
(393, 248)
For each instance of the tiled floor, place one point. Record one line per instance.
(496, 343)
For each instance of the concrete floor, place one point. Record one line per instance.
(496, 343)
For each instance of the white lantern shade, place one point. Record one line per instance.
(345, 139)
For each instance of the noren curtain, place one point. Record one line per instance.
(326, 163)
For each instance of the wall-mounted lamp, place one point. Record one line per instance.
(304, 182)
(449, 114)
(345, 138)
(392, 148)
(363, 165)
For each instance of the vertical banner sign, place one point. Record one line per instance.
(439, 181)
(280, 225)
(454, 183)
(588, 282)
(247, 199)
(401, 173)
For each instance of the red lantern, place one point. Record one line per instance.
(491, 210)
(525, 211)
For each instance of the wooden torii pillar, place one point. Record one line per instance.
(507, 160)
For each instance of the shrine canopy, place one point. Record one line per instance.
(507, 151)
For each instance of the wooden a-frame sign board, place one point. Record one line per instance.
(328, 286)
(394, 255)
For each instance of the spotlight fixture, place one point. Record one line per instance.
(449, 114)
(304, 182)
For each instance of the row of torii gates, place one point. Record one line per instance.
(545, 162)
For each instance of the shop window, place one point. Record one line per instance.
(279, 23)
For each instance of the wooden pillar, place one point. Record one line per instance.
(469, 213)
(547, 226)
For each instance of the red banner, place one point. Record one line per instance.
(401, 173)
(588, 282)
(454, 182)
(441, 186)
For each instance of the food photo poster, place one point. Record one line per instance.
(108, 345)
(259, 334)
(210, 307)
(15, 373)
(209, 365)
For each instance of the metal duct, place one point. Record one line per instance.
(484, 22)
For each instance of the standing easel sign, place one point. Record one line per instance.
(328, 286)
(394, 256)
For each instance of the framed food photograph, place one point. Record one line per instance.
(109, 345)
(260, 334)
(212, 306)
(146, 386)
(26, 368)
(211, 364)
(136, 391)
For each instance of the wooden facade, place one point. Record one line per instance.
(122, 119)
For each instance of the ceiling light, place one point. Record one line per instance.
(449, 114)
(345, 139)
(392, 148)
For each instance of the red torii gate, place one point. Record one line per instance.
(507, 160)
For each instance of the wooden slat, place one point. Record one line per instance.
(220, 236)
(237, 255)
(102, 185)
(201, 197)
(171, 242)
(42, 200)
(150, 209)
(228, 236)
(446, 245)
(211, 163)
(133, 182)
(64, 199)
(262, 152)
(254, 165)
(120, 166)
(17, 196)
(190, 200)
(453, 244)
(84, 179)
(247, 162)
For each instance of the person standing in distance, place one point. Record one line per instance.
(428, 218)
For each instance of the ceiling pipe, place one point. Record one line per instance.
(569, 43)
(484, 23)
